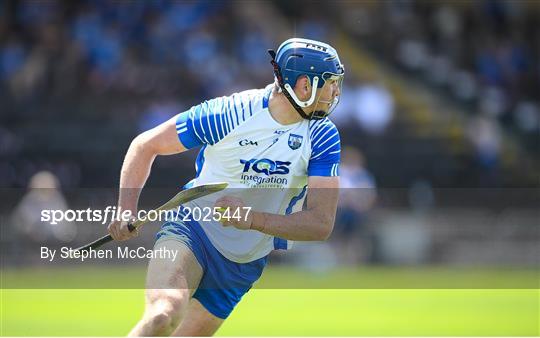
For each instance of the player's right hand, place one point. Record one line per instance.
(120, 232)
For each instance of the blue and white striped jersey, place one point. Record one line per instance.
(243, 145)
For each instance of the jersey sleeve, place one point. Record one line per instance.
(210, 121)
(325, 150)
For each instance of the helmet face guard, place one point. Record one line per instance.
(302, 57)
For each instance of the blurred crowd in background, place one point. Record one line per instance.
(437, 94)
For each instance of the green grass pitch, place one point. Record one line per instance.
(285, 312)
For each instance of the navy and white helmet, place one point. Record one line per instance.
(317, 60)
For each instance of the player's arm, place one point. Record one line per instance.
(315, 223)
(161, 140)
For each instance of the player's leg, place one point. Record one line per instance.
(198, 321)
(169, 287)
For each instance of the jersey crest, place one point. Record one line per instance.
(295, 141)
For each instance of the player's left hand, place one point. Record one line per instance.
(242, 219)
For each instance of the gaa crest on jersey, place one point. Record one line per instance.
(295, 141)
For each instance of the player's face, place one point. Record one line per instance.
(326, 95)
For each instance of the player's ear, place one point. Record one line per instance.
(303, 88)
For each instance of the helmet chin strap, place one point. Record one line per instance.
(318, 114)
(294, 100)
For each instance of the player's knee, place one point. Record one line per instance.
(166, 313)
(163, 323)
